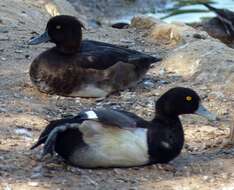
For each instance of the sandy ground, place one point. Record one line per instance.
(206, 163)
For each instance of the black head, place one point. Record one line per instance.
(179, 100)
(63, 30)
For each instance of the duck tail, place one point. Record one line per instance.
(154, 59)
(51, 126)
(143, 63)
(147, 59)
(45, 133)
(38, 143)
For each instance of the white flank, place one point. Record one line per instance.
(90, 91)
(111, 146)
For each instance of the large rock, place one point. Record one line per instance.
(203, 61)
(195, 55)
(61, 7)
(170, 34)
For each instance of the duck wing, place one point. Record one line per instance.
(140, 122)
(111, 117)
(51, 126)
(100, 56)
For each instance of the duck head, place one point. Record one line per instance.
(63, 30)
(179, 100)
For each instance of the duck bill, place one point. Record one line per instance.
(40, 39)
(202, 111)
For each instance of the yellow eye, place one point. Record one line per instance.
(189, 98)
(58, 27)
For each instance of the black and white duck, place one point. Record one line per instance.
(116, 138)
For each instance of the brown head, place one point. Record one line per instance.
(63, 30)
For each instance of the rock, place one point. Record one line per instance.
(19, 51)
(195, 55)
(52, 9)
(3, 37)
(3, 30)
(36, 175)
(133, 188)
(120, 25)
(6, 187)
(148, 84)
(144, 22)
(170, 34)
(232, 134)
(61, 7)
(57, 7)
(23, 132)
(33, 183)
(204, 60)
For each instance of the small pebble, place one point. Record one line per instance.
(148, 84)
(36, 175)
(133, 188)
(18, 51)
(4, 38)
(23, 132)
(199, 36)
(33, 183)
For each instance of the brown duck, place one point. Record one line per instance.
(84, 68)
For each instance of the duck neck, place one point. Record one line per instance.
(66, 49)
(166, 117)
(165, 138)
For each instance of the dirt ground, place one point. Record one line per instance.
(206, 163)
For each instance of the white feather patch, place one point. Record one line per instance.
(110, 146)
(166, 144)
(91, 115)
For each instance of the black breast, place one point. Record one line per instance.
(165, 141)
(69, 141)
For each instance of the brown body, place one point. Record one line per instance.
(85, 68)
(54, 73)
